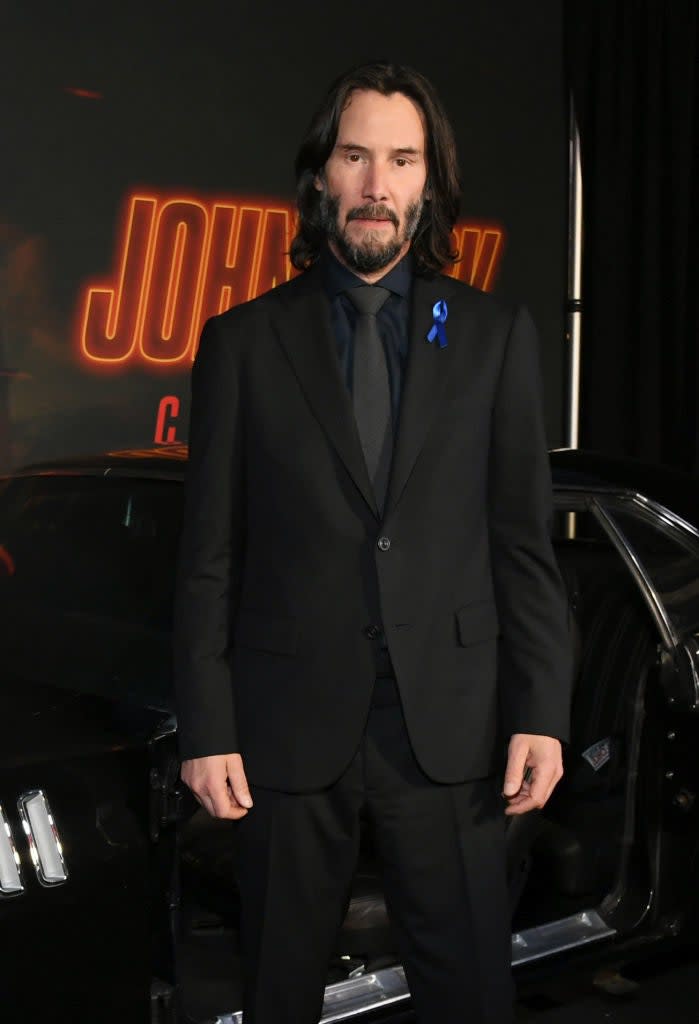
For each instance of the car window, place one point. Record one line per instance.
(87, 568)
(668, 553)
(613, 632)
(587, 558)
(91, 544)
(574, 521)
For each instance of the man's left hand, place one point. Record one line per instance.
(542, 756)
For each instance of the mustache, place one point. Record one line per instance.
(373, 211)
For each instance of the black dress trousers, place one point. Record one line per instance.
(442, 855)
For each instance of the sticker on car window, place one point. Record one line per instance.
(598, 754)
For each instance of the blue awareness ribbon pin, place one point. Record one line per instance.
(439, 313)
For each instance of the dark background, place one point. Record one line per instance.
(213, 99)
(632, 67)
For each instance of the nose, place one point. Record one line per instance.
(374, 186)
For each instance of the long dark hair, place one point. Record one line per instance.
(432, 243)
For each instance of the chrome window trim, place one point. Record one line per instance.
(594, 499)
(585, 495)
(662, 513)
(653, 514)
(668, 633)
(33, 804)
(11, 883)
(691, 652)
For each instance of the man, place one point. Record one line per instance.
(368, 604)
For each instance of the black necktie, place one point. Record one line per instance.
(371, 395)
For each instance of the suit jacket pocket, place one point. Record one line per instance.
(265, 632)
(477, 621)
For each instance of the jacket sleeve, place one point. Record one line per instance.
(210, 553)
(535, 664)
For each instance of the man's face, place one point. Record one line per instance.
(373, 181)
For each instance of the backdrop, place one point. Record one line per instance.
(633, 70)
(146, 182)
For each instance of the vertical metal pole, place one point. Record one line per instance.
(574, 305)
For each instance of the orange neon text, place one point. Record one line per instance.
(180, 260)
(165, 427)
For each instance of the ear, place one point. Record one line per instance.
(318, 182)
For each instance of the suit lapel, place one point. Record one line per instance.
(304, 329)
(303, 326)
(425, 377)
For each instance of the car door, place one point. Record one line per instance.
(663, 552)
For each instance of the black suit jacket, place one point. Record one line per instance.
(285, 564)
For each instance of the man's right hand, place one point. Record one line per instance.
(219, 784)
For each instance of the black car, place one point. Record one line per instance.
(117, 899)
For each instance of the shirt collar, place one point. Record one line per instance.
(337, 278)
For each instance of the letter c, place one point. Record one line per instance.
(169, 406)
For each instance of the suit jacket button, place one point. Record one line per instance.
(384, 543)
(372, 631)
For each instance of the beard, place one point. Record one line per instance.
(370, 254)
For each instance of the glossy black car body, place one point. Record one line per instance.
(127, 910)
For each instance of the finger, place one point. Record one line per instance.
(226, 810)
(234, 812)
(543, 781)
(523, 794)
(520, 807)
(521, 803)
(516, 761)
(238, 782)
(532, 796)
(222, 806)
(535, 794)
